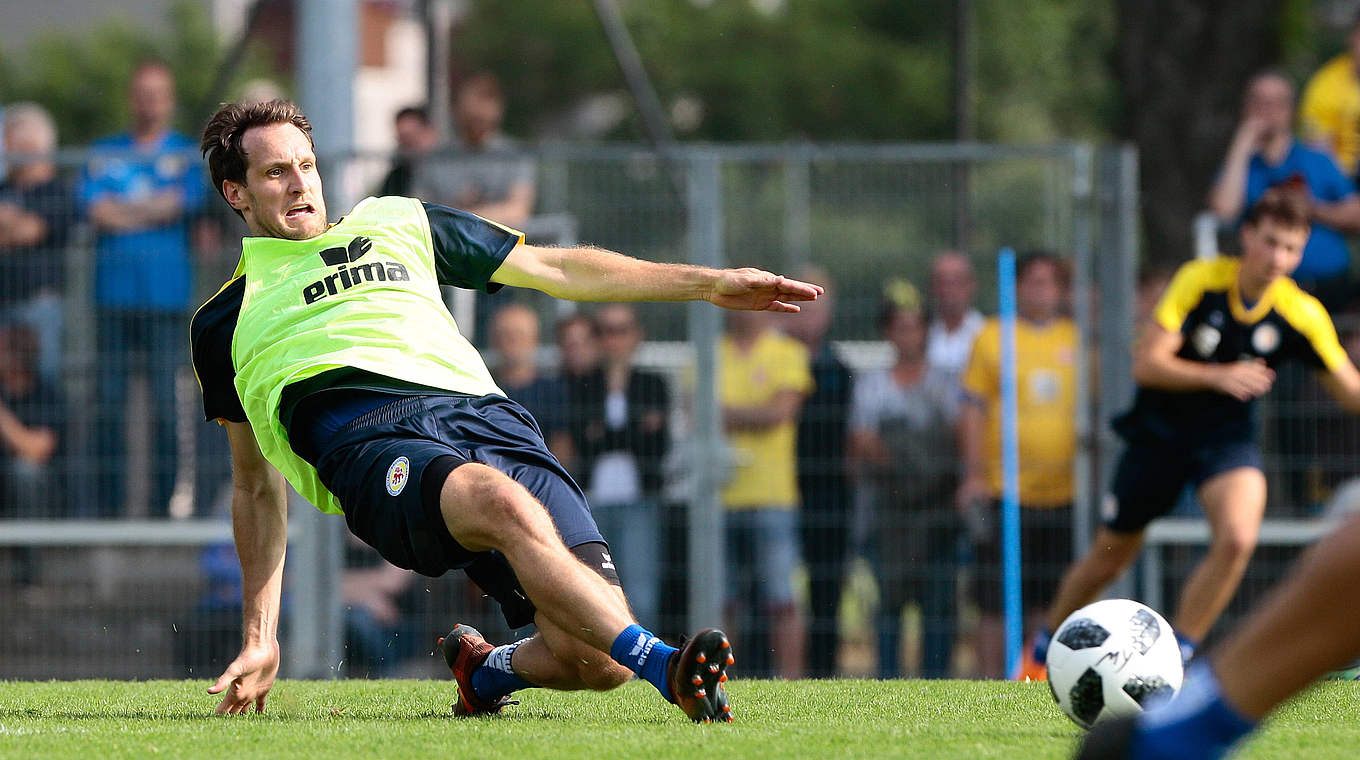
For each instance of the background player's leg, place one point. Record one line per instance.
(1110, 552)
(484, 509)
(1234, 502)
(1313, 611)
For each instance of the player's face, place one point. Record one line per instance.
(1271, 250)
(281, 196)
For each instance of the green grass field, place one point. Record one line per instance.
(390, 719)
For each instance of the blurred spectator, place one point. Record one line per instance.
(380, 608)
(578, 353)
(37, 213)
(1151, 283)
(514, 338)
(763, 381)
(485, 173)
(1265, 154)
(140, 190)
(416, 138)
(620, 442)
(902, 441)
(1329, 113)
(30, 430)
(822, 482)
(1045, 355)
(955, 322)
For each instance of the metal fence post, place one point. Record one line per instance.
(798, 210)
(1082, 508)
(1117, 278)
(705, 325)
(328, 42)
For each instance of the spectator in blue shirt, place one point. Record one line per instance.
(1265, 153)
(140, 191)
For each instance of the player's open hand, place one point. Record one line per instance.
(247, 679)
(757, 290)
(1246, 380)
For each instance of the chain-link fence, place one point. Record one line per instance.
(813, 457)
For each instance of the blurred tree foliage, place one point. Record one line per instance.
(83, 81)
(815, 69)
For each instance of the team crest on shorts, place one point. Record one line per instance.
(397, 475)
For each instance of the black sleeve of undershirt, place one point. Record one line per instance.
(211, 333)
(467, 248)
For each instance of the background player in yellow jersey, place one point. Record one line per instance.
(485, 493)
(1045, 352)
(1216, 334)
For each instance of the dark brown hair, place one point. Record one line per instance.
(1287, 206)
(221, 143)
(1029, 259)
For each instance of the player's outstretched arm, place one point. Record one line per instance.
(259, 522)
(594, 274)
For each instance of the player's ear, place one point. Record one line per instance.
(235, 193)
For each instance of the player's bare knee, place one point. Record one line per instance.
(491, 506)
(1236, 544)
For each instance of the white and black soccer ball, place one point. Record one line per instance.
(1112, 658)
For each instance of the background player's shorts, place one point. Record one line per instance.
(1045, 553)
(387, 468)
(1149, 479)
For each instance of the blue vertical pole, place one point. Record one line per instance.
(1010, 462)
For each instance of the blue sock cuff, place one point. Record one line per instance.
(641, 652)
(1199, 722)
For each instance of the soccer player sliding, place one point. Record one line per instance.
(1218, 332)
(333, 363)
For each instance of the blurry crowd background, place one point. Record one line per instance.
(862, 465)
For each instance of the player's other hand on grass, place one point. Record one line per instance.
(247, 679)
(1245, 380)
(758, 290)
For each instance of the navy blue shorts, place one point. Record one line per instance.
(1149, 479)
(387, 468)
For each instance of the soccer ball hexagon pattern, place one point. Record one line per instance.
(1112, 658)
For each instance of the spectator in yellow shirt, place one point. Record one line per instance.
(1329, 113)
(1045, 355)
(764, 377)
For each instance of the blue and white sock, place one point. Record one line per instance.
(1042, 638)
(1188, 647)
(495, 678)
(641, 652)
(1198, 723)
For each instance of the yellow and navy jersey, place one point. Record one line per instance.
(1203, 303)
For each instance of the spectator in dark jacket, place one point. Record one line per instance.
(620, 439)
(37, 211)
(822, 482)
